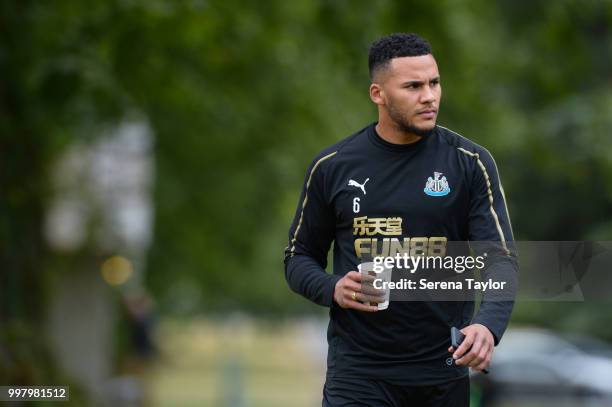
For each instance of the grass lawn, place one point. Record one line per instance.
(243, 362)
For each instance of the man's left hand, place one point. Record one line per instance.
(476, 349)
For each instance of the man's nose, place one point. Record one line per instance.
(428, 95)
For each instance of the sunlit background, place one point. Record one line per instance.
(151, 158)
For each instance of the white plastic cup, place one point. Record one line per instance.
(383, 276)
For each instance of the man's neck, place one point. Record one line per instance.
(394, 135)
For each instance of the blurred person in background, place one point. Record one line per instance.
(141, 315)
(406, 177)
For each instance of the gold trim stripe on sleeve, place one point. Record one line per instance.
(501, 188)
(297, 229)
(490, 194)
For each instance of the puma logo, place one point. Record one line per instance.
(353, 183)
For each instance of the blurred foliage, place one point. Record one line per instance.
(241, 95)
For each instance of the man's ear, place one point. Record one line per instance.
(377, 94)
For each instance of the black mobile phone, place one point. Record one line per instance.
(456, 338)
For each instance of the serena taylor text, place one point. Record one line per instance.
(424, 284)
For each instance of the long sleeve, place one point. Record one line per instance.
(491, 233)
(310, 237)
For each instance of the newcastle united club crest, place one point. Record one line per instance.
(437, 186)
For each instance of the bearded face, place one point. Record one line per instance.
(409, 93)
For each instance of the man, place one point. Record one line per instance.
(406, 178)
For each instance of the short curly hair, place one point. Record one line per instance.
(395, 45)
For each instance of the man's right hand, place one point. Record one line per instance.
(355, 288)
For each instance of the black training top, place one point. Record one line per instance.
(442, 186)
